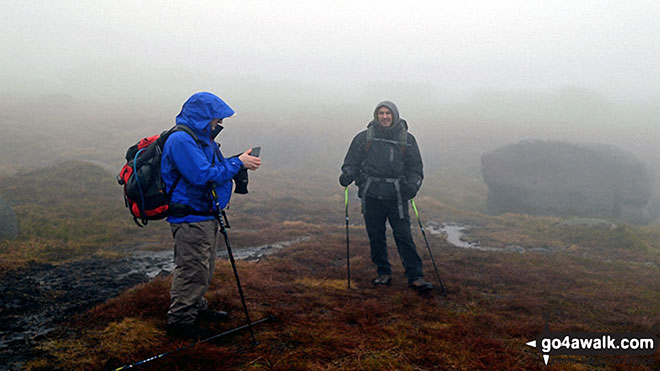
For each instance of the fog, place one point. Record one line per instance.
(88, 79)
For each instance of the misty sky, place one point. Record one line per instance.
(123, 50)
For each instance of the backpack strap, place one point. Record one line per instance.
(402, 142)
(181, 210)
(187, 130)
(371, 135)
(397, 187)
(403, 139)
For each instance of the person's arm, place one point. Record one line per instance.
(352, 161)
(195, 167)
(414, 168)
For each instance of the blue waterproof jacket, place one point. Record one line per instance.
(194, 163)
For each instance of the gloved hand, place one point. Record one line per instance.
(408, 191)
(345, 179)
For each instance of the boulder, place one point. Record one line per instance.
(591, 223)
(8, 222)
(559, 178)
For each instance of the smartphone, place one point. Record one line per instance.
(216, 131)
(255, 151)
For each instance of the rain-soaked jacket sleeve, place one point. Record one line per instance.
(194, 166)
(414, 172)
(353, 159)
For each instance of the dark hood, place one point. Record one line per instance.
(396, 119)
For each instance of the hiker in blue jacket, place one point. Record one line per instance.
(192, 166)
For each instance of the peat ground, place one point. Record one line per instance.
(497, 302)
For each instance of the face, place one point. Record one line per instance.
(214, 123)
(384, 116)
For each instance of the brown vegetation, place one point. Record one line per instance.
(496, 303)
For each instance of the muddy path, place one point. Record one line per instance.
(35, 301)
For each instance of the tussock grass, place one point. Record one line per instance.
(68, 211)
(117, 339)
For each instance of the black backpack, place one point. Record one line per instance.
(402, 142)
(144, 190)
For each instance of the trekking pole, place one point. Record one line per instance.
(348, 256)
(223, 230)
(442, 287)
(228, 332)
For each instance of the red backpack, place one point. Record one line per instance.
(144, 190)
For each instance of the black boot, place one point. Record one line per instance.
(210, 315)
(187, 331)
(420, 285)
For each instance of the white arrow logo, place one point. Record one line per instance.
(546, 357)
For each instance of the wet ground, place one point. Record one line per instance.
(454, 234)
(34, 301)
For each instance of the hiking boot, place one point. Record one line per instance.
(211, 315)
(186, 331)
(420, 285)
(383, 280)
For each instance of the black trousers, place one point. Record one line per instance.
(376, 213)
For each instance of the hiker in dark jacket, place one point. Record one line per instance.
(193, 167)
(386, 165)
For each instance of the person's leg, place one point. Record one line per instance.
(193, 245)
(412, 263)
(202, 303)
(374, 218)
(204, 312)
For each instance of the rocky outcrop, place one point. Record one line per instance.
(8, 222)
(559, 178)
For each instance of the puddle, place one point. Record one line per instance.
(256, 252)
(153, 263)
(454, 232)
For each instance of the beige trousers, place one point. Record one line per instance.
(195, 246)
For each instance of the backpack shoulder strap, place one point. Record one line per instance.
(166, 135)
(403, 139)
(187, 130)
(371, 134)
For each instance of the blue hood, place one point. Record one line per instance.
(200, 109)
(198, 164)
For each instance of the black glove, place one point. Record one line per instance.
(408, 191)
(241, 181)
(345, 179)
